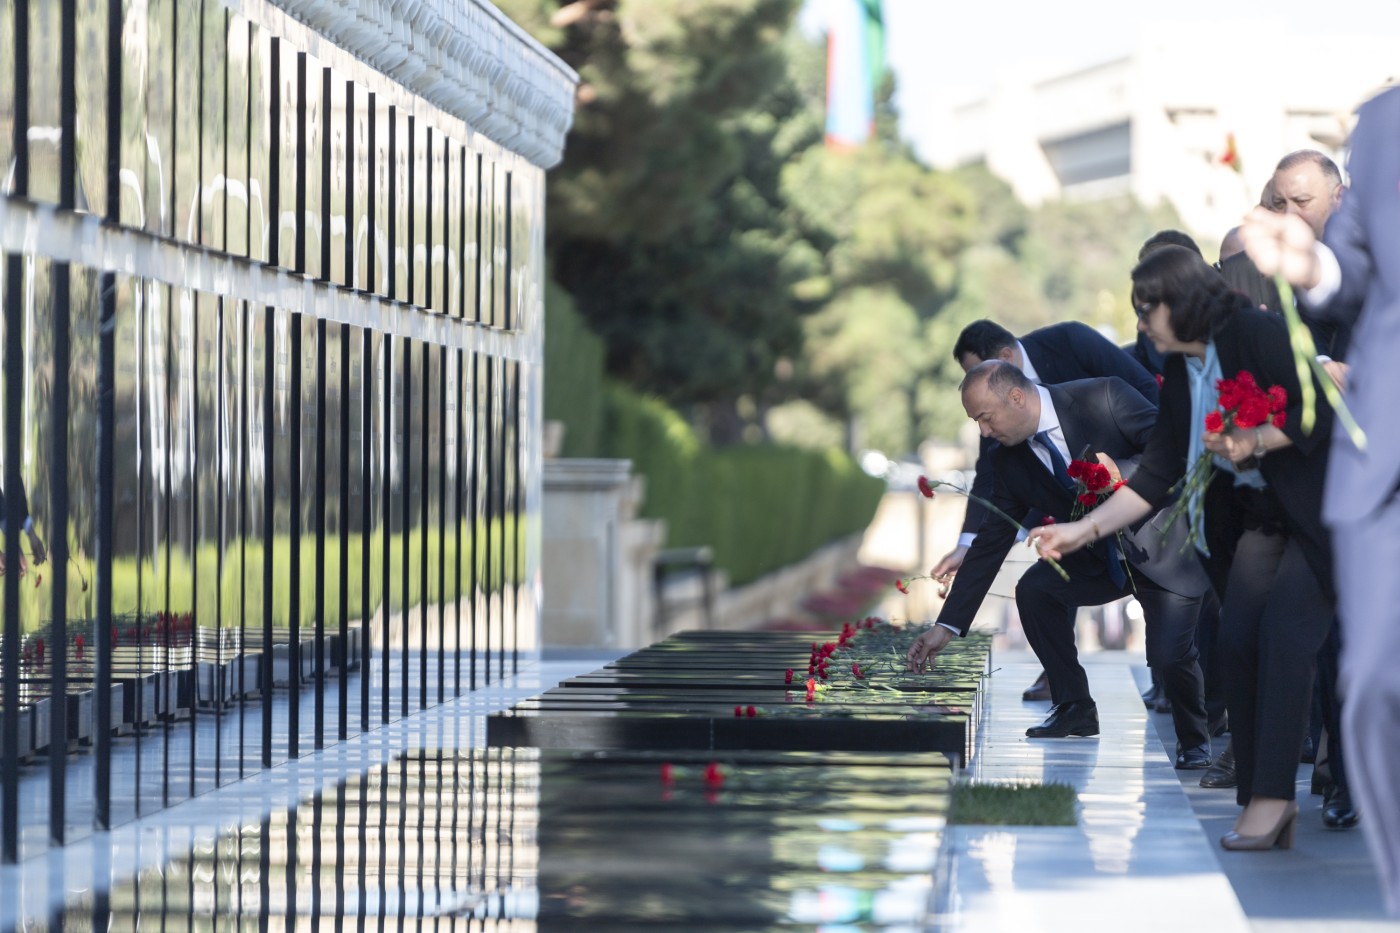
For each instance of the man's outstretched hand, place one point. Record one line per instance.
(926, 647)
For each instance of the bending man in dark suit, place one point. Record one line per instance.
(1354, 276)
(1038, 429)
(1049, 355)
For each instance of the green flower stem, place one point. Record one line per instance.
(937, 484)
(1198, 477)
(1305, 358)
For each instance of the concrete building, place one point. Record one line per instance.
(1156, 123)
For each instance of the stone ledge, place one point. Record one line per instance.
(464, 56)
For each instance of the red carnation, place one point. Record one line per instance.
(1076, 469)
(1230, 393)
(855, 670)
(714, 777)
(811, 689)
(1253, 411)
(899, 585)
(1215, 422)
(666, 776)
(1278, 420)
(1245, 378)
(787, 678)
(1048, 520)
(738, 711)
(1278, 398)
(1087, 498)
(926, 487)
(751, 710)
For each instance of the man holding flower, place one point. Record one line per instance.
(1039, 430)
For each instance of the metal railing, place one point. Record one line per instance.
(271, 331)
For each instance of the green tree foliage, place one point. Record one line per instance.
(751, 278)
(667, 217)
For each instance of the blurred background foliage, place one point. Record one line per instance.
(726, 264)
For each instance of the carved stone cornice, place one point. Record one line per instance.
(463, 56)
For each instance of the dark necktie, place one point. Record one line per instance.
(1061, 471)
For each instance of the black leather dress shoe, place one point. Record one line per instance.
(1196, 758)
(1040, 690)
(1337, 809)
(1078, 718)
(1222, 772)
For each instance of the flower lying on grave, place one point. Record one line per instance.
(787, 678)
(666, 776)
(751, 710)
(714, 777)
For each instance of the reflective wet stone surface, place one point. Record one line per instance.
(517, 838)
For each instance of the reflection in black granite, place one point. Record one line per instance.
(507, 839)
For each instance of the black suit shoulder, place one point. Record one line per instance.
(1242, 276)
(1074, 350)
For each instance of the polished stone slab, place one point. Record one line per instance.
(695, 690)
(818, 730)
(555, 840)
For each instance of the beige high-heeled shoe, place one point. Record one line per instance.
(1280, 835)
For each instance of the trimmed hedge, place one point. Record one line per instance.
(573, 374)
(761, 507)
(34, 610)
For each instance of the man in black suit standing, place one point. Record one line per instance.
(1038, 430)
(1050, 355)
(1308, 185)
(1354, 277)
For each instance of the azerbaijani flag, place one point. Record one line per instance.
(855, 64)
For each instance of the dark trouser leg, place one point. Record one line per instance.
(1047, 605)
(1207, 634)
(1274, 619)
(1171, 652)
(1329, 696)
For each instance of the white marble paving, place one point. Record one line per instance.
(1137, 861)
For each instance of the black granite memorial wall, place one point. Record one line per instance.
(271, 386)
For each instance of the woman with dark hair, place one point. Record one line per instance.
(1265, 547)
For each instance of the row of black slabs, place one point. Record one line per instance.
(630, 798)
(708, 791)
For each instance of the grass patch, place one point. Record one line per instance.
(1013, 805)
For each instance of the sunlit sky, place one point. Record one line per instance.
(944, 52)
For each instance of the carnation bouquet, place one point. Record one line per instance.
(1242, 403)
